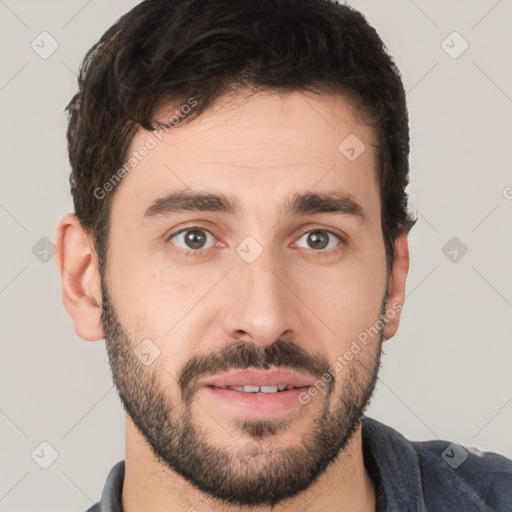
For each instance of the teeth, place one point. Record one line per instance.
(269, 389)
(250, 389)
(236, 388)
(261, 389)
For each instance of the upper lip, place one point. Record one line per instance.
(254, 377)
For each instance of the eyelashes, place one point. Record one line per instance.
(318, 233)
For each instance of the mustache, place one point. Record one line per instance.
(242, 355)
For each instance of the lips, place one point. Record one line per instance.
(259, 378)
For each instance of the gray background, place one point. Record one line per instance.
(446, 373)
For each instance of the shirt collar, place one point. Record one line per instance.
(111, 496)
(393, 465)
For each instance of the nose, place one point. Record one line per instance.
(261, 306)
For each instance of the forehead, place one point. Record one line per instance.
(263, 148)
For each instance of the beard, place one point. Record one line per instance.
(251, 476)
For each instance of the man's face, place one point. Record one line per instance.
(266, 287)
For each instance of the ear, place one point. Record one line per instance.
(81, 290)
(396, 286)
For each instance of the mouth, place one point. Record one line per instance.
(252, 380)
(257, 393)
(276, 388)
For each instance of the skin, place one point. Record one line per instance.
(261, 149)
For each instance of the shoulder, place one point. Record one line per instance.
(441, 473)
(478, 475)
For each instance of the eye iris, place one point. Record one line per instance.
(195, 239)
(318, 239)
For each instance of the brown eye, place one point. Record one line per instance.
(191, 239)
(320, 239)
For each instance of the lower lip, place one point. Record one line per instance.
(258, 404)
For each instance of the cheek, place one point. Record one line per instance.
(166, 308)
(150, 298)
(349, 298)
(348, 304)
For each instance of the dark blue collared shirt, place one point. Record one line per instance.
(409, 476)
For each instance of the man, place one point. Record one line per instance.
(240, 242)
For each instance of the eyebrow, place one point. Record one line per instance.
(298, 204)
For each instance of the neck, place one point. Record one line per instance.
(150, 486)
